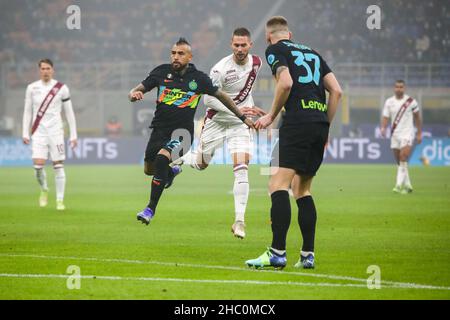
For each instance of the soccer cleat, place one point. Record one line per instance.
(397, 189)
(145, 215)
(268, 259)
(176, 170)
(178, 162)
(407, 190)
(60, 205)
(43, 199)
(238, 229)
(305, 262)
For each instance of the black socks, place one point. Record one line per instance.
(307, 218)
(280, 214)
(159, 181)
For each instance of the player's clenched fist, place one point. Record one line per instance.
(136, 95)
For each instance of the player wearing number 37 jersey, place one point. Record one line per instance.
(302, 77)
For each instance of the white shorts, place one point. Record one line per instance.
(399, 142)
(42, 146)
(214, 134)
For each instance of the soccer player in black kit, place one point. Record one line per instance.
(302, 77)
(180, 86)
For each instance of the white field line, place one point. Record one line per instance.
(116, 278)
(217, 267)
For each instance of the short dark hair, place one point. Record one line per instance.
(45, 60)
(241, 32)
(182, 41)
(400, 81)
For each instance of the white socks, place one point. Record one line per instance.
(240, 191)
(278, 252)
(403, 175)
(306, 253)
(406, 180)
(41, 177)
(60, 181)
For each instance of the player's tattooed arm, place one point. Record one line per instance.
(279, 70)
(229, 103)
(137, 93)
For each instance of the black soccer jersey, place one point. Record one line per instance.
(178, 95)
(307, 99)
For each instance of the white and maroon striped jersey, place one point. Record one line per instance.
(235, 80)
(51, 123)
(391, 108)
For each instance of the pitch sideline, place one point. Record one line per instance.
(387, 284)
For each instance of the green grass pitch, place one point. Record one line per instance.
(188, 251)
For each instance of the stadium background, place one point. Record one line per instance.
(361, 222)
(119, 43)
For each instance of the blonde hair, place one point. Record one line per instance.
(277, 24)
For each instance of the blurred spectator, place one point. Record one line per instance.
(113, 127)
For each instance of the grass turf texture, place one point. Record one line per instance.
(360, 223)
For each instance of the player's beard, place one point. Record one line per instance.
(177, 66)
(240, 57)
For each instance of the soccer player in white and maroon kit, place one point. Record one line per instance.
(42, 123)
(235, 75)
(404, 114)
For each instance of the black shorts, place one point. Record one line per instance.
(301, 147)
(175, 140)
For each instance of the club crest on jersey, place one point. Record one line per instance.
(270, 58)
(55, 90)
(169, 76)
(193, 85)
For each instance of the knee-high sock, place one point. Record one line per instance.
(41, 177)
(307, 217)
(240, 191)
(280, 214)
(60, 181)
(401, 172)
(406, 181)
(159, 180)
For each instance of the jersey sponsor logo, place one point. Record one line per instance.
(231, 71)
(231, 79)
(315, 105)
(178, 98)
(45, 104)
(250, 81)
(400, 113)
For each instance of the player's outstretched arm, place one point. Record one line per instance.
(282, 91)
(137, 93)
(333, 87)
(229, 103)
